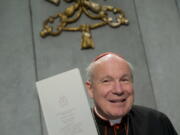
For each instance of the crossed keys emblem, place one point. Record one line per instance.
(72, 13)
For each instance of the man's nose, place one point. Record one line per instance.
(118, 88)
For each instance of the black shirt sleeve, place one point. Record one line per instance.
(146, 121)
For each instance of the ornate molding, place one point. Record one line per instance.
(72, 13)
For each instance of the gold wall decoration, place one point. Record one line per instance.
(72, 13)
(56, 2)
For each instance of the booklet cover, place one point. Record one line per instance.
(65, 105)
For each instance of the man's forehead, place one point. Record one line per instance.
(110, 60)
(102, 55)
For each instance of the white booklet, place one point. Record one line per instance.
(65, 105)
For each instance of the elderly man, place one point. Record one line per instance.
(110, 85)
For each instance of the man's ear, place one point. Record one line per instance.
(89, 89)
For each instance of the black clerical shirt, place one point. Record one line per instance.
(105, 128)
(139, 121)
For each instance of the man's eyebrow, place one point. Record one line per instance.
(126, 75)
(107, 76)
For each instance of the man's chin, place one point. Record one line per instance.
(113, 116)
(117, 114)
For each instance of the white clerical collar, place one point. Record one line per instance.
(112, 122)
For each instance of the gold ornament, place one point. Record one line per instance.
(72, 13)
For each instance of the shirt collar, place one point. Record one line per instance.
(112, 122)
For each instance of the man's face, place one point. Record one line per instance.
(112, 87)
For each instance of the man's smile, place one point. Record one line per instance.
(117, 100)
